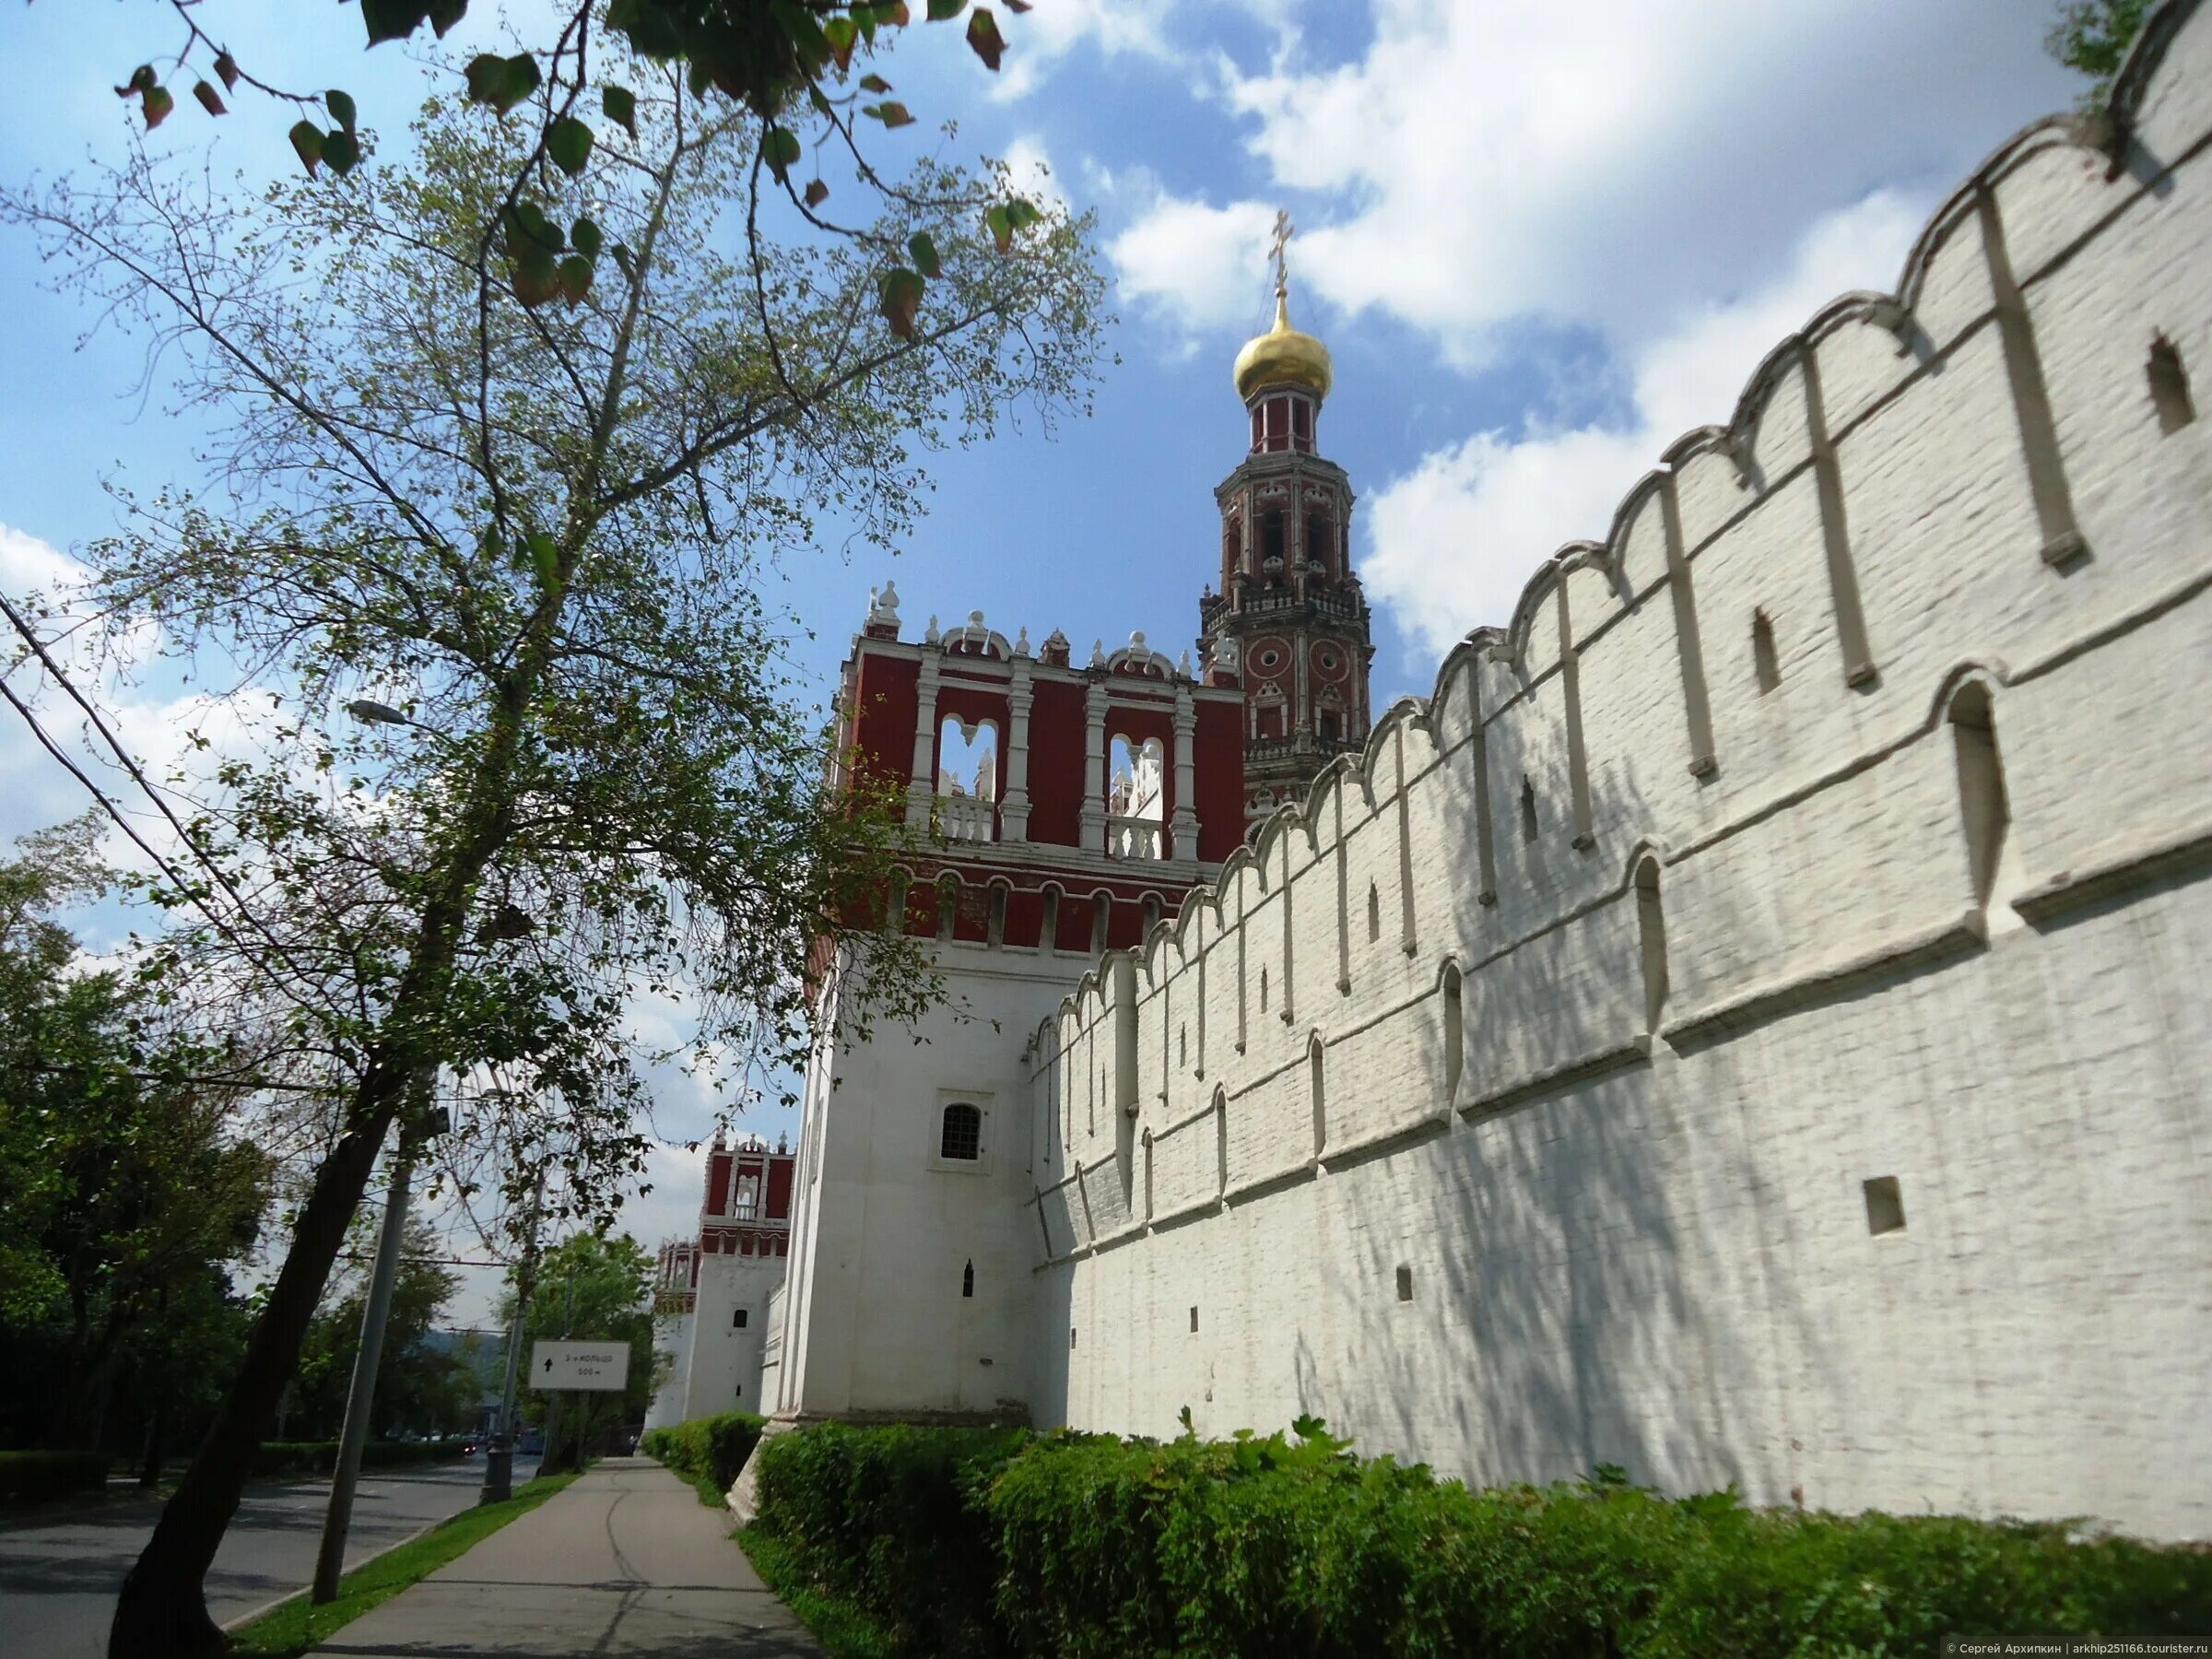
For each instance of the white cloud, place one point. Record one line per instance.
(1455, 539)
(1039, 39)
(1602, 164)
(1199, 266)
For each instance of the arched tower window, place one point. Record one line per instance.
(961, 1134)
(1650, 933)
(1456, 1032)
(1320, 1107)
(1984, 808)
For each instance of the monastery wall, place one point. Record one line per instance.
(1827, 843)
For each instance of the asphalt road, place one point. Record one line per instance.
(58, 1581)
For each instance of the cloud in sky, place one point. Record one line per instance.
(1602, 164)
(1454, 539)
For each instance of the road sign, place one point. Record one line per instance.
(580, 1365)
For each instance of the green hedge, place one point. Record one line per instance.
(709, 1450)
(967, 1543)
(320, 1457)
(27, 1476)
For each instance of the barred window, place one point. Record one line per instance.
(963, 1132)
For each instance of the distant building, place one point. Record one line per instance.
(711, 1304)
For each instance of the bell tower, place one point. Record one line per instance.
(1290, 623)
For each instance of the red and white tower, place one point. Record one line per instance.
(1290, 623)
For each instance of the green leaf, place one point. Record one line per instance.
(340, 107)
(941, 10)
(575, 277)
(391, 20)
(1000, 223)
(583, 236)
(444, 13)
(874, 83)
(778, 148)
(341, 150)
(225, 69)
(623, 259)
(891, 113)
(840, 32)
(983, 36)
(210, 99)
(544, 558)
(501, 82)
(156, 103)
(307, 142)
(569, 142)
(621, 106)
(924, 251)
(902, 291)
(817, 194)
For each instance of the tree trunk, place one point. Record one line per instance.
(163, 1611)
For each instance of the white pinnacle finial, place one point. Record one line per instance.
(931, 635)
(1021, 642)
(1183, 666)
(1097, 653)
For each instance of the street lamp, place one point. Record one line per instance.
(499, 1458)
(418, 1120)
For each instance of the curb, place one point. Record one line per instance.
(230, 1624)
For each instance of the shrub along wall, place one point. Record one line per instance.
(28, 1477)
(709, 1450)
(973, 1543)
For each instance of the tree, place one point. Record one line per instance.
(525, 543)
(597, 1288)
(417, 1382)
(2093, 36)
(789, 63)
(121, 1193)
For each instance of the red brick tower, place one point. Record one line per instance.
(1289, 622)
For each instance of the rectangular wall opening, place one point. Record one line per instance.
(1885, 1206)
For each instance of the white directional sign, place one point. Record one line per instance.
(579, 1365)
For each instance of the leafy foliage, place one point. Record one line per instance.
(33, 1477)
(1097, 1547)
(530, 545)
(421, 1388)
(782, 62)
(124, 1194)
(709, 1452)
(598, 1289)
(2093, 36)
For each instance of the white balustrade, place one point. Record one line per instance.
(965, 818)
(1132, 838)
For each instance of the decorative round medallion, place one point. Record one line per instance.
(1269, 654)
(1330, 661)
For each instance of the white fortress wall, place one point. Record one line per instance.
(1511, 1104)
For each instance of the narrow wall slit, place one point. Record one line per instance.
(1320, 1112)
(1528, 809)
(2168, 385)
(1765, 662)
(1984, 810)
(1455, 1034)
(1650, 933)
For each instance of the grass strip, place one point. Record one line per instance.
(845, 1629)
(292, 1627)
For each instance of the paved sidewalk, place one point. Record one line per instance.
(626, 1562)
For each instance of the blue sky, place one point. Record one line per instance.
(1539, 241)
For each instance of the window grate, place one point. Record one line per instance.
(962, 1138)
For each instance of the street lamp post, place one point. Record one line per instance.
(498, 1459)
(360, 1399)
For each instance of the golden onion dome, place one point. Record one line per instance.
(1283, 355)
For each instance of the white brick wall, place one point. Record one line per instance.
(1654, 1249)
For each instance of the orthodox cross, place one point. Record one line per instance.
(1278, 248)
